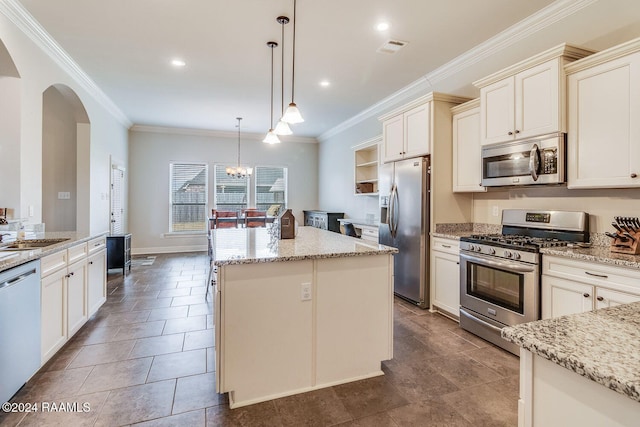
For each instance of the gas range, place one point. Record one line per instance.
(500, 273)
(524, 233)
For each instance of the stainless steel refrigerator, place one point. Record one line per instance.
(404, 188)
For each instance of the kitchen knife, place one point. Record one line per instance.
(622, 225)
(636, 222)
(627, 222)
(613, 236)
(616, 227)
(630, 236)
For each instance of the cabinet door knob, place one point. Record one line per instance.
(90, 262)
(517, 131)
(600, 298)
(634, 175)
(586, 295)
(510, 133)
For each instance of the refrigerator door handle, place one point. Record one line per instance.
(393, 221)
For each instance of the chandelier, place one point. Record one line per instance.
(238, 171)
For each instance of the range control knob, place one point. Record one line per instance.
(516, 255)
(478, 248)
(492, 251)
(508, 254)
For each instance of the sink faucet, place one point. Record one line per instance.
(3, 234)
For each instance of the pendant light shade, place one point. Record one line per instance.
(282, 128)
(292, 115)
(271, 137)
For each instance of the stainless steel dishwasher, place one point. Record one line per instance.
(19, 327)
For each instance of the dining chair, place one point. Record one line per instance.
(226, 219)
(255, 218)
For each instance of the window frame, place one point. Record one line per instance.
(172, 203)
(249, 196)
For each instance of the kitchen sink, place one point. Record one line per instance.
(26, 245)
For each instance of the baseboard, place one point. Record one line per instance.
(169, 249)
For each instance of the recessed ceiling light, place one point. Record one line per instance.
(178, 63)
(382, 26)
(325, 83)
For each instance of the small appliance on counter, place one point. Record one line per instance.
(625, 239)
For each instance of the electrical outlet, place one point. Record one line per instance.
(305, 292)
(495, 211)
(31, 211)
(64, 195)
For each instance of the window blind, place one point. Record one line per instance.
(231, 193)
(270, 187)
(188, 197)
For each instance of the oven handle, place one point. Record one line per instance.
(464, 313)
(534, 162)
(510, 266)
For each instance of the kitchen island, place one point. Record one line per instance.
(296, 315)
(581, 369)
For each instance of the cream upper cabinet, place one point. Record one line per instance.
(467, 161)
(526, 99)
(393, 137)
(417, 134)
(604, 119)
(407, 134)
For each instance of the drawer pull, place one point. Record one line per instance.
(600, 298)
(604, 276)
(446, 246)
(586, 295)
(97, 244)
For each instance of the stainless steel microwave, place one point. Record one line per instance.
(532, 161)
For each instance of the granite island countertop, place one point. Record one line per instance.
(23, 256)
(601, 345)
(232, 246)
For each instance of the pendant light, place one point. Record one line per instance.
(238, 172)
(271, 137)
(292, 115)
(282, 128)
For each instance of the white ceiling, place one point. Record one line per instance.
(126, 47)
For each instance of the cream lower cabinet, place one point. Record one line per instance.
(66, 282)
(604, 105)
(445, 276)
(570, 286)
(52, 312)
(96, 275)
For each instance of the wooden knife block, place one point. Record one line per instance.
(630, 247)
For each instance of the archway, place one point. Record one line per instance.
(65, 160)
(10, 107)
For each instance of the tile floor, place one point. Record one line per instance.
(147, 358)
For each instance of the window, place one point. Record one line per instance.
(231, 193)
(271, 187)
(188, 197)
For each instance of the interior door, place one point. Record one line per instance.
(117, 200)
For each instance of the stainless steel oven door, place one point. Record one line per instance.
(506, 291)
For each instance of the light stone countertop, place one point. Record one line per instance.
(600, 254)
(601, 345)
(233, 246)
(24, 256)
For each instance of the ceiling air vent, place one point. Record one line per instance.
(392, 46)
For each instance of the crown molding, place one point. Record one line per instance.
(469, 105)
(540, 20)
(216, 133)
(22, 19)
(615, 52)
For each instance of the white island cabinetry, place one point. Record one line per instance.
(298, 315)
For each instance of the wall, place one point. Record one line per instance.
(597, 25)
(602, 205)
(10, 142)
(59, 172)
(151, 151)
(108, 134)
